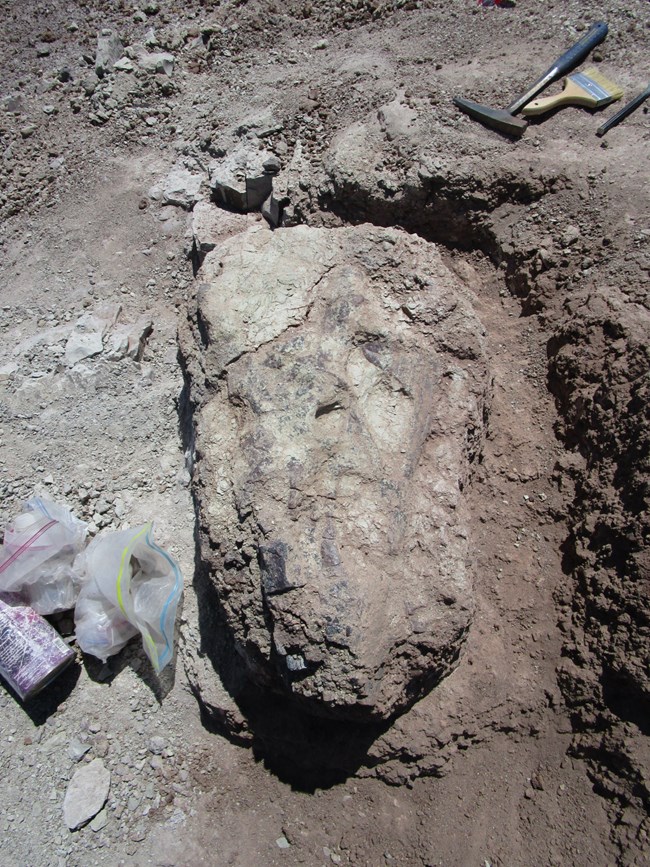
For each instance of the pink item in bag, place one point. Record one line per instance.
(32, 653)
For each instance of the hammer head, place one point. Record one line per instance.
(497, 118)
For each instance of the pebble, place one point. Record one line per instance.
(77, 749)
(282, 843)
(101, 747)
(99, 821)
(156, 745)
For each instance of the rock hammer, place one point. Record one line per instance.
(503, 119)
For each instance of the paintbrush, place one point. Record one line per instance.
(589, 88)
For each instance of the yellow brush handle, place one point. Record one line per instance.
(571, 95)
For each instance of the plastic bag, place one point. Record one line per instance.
(130, 585)
(36, 559)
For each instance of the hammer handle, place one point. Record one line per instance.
(594, 36)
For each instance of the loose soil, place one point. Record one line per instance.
(535, 749)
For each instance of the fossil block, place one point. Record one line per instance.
(341, 385)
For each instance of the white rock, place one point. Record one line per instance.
(80, 346)
(77, 749)
(240, 181)
(124, 65)
(157, 744)
(109, 51)
(210, 225)
(7, 370)
(99, 821)
(160, 62)
(182, 187)
(86, 794)
(129, 340)
(397, 118)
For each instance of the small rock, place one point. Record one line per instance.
(100, 820)
(570, 235)
(272, 165)
(157, 744)
(182, 188)
(77, 749)
(109, 51)
(8, 370)
(240, 181)
(86, 794)
(282, 843)
(89, 84)
(537, 783)
(124, 64)
(13, 103)
(160, 62)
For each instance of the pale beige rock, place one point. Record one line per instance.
(342, 385)
(210, 225)
(86, 794)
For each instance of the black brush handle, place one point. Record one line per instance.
(623, 113)
(593, 37)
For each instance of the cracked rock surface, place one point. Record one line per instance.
(346, 391)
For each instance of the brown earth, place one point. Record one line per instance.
(535, 749)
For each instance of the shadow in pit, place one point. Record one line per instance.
(301, 749)
(133, 657)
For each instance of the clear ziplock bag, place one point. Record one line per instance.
(130, 585)
(36, 559)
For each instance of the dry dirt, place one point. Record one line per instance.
(535, 750)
